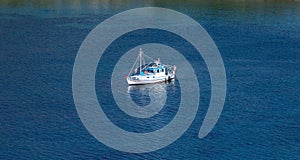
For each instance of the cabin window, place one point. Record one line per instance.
(162, 70)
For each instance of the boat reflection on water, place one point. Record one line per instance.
(150, 94)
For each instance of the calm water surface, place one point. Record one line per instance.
(258, 41)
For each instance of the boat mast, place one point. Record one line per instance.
(141, 60)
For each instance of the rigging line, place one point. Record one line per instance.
(146, 66)
(133, 65)
(149, 57)
(144, 61)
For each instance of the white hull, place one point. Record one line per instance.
(133, 82)
(137, 82)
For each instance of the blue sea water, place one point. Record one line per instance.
(259, 44)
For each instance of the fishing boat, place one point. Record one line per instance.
(152, 72)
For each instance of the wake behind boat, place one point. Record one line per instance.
(146, 73)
